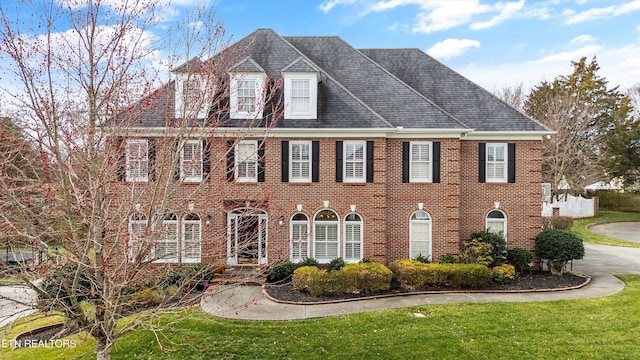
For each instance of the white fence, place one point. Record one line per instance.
(576, 207)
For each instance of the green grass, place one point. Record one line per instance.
(603, 328)
(580, 228)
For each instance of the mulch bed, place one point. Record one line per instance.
(534, 281)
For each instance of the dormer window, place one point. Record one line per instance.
(189, 97)
(246, 96)
(301, 94)
(247, 90)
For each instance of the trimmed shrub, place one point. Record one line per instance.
(365, 278)
(498, 243)
(615, 201)
(558, 247)
(503, 273)
(323, 282)
(447, 259)
(366, 261)
(307, 261)
(423, 259)
(336, 264)
(519, 258)
(280, 270)
(411, 274)
(194, 276)
(475, 251)
(557, 222)
(301, 275)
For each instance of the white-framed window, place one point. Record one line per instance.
(299, 237)
(352, 238)
(246, 100)
(191, 161)
(191, 247)
(420, 234)
(496, 222)
(246, 161)
(420, 162)
(301, 94)
(496, 162)
(191, 90)
(137, 243)
(137, 160)
(354, 161)
(326, 236)
(300, 161)
(166, 243)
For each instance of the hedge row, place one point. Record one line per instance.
(411, 274)
(358, 278)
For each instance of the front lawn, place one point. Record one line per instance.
(603, 328)
(580, 228)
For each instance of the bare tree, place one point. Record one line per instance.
(78, 98)
(513, 95)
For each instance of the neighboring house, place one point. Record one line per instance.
(377, 153)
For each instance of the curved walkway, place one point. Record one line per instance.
(629, 231)
(601, 262)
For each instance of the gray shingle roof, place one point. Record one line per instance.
(372, 88)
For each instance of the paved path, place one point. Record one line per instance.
(12, 300)
(601, 262)
(629, 231)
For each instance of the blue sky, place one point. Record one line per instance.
(494, 43)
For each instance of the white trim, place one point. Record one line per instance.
(507, 135)
(317, 222)
(360, 241)
(133, 239)
(354, 179)
(236, 80)
(143, 160)
(429, 177)
(198, 109)
(307, 223)
(172, 256)
(183, 177)
(263, 224)
(429, 222)
(292, 178)
(502, 221)
(236, 162)
(183, 258)
(505, 170)
(312, 78)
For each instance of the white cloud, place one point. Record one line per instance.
(507, 11)
(449, 48)
(609, 11)
(438, 16)
(582, 39)
(328, 5)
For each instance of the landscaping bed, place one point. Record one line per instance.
(533, 281)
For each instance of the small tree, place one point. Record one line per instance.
(558, 247)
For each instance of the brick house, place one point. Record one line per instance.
(376, 153)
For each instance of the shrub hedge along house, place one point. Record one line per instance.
(375, 153)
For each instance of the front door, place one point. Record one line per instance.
(246, 237)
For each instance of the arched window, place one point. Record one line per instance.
(496, 222)
(299, 237)
(352, 238)
(420, 234)
(191, 238)
(326, 236)
(137, 229)
(166, 241)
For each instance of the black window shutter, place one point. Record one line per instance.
(230, 160)
(178, 163)
(121, 171)
(206, 159)
(315, 161)
(436, 161)
(482, 162)
(405, 161)
(511, 163)
(370, 161)
(261, 161)
(151, 151)
(284, 160)
(338, 161)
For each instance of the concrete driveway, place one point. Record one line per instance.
(13, 303)
(629, 231)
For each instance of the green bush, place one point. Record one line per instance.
(423, 259)
(615, 201)
(411, 274)
(503, 273)
(447, 259)
(307, 261)
(498, 243)
(558, 247)
(557, 222)
(148, 297)
(193, 276)
(336, 264)
(519, 258)
(475, 251)
(301, 275)
(280, 270)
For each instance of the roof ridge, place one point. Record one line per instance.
(407, 85)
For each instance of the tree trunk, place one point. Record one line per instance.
(103, 349)
(557, 266)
